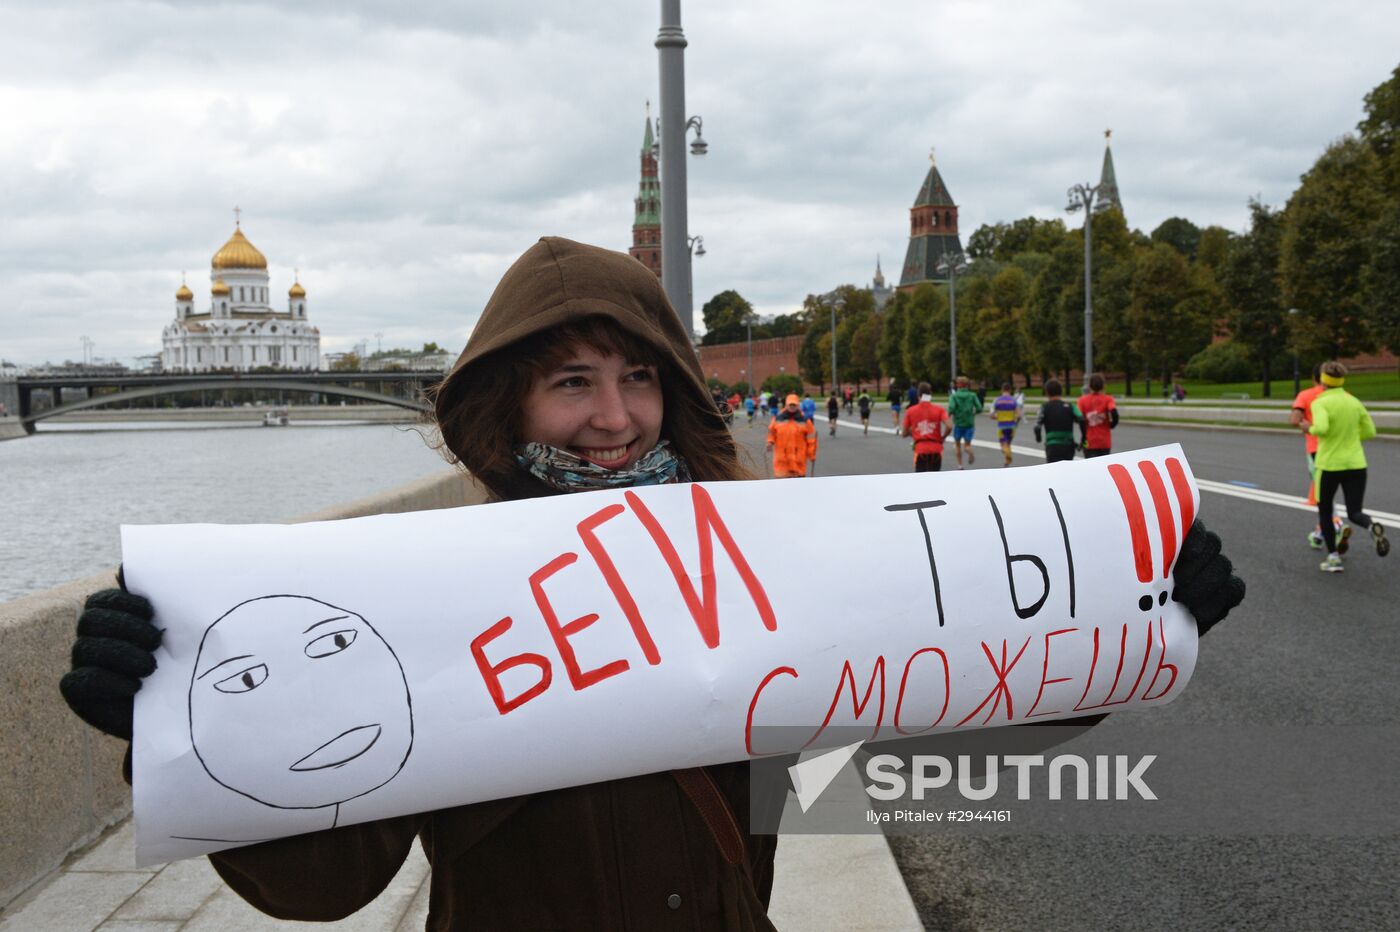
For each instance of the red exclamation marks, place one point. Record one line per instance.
(1165, 525)
(1183, 492)
(1137, 521)
(1166, 522)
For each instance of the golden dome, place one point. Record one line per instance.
(220, 287)
(238, 253)
(184, 294)
(296, 291)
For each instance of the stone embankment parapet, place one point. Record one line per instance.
(60, 782)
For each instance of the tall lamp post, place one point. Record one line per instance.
(748, 329)
(833, 299)
(951, 264)
(694, 248)
(1081, 197)
(672, 128)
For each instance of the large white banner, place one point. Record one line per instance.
(336, 672)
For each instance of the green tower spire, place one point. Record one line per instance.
(646, 221)
(1108, 181)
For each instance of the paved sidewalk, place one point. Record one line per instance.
(822, 883)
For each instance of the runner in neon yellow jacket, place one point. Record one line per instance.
(1341, 423)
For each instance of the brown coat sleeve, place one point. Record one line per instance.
(320, 876)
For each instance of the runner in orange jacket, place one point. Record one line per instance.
(793, 441)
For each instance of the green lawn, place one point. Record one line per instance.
(1368, 386)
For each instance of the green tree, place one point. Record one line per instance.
(1381, 128)
(890, 350)
(812, 363)
(1255, 313)
(432, 348)
(1171, 310)
(927, 307)
(1326, 244)
(1380, 279)
(350, 362)
(865, 343)
(999, 340)
(725, 315)
(1063, 272)
(1180, 234)
(1213, 250)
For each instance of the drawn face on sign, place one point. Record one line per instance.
(298, 704)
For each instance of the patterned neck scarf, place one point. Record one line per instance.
(568, 472)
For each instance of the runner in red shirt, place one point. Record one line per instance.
(928, 424)
(1302, 415)
(1100, 417)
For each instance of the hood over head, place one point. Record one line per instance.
(558, 281)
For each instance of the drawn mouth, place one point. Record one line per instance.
(341, 749)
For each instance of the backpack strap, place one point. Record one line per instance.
(715, 810)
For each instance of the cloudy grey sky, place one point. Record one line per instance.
(401, 155)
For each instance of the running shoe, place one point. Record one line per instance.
(1344, 540)
(1333, 564)
(1378, 536)
(1314, 540)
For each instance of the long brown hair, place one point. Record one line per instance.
(480, 419)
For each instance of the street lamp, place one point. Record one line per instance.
(833, 299)
(952, 263)
(1081, 197)
(672, 128)
(695, 246)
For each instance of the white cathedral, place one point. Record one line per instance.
(240, 331)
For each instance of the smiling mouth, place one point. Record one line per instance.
(607, 457)
(341, 749)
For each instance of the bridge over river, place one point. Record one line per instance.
(403, 389)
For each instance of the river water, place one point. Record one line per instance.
(68, 489)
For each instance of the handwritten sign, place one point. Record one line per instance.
(337, 672)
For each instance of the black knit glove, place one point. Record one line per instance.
(113, 653)
(1203, 579)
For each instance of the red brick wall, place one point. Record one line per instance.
(727, 361)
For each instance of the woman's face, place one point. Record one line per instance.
(598, 406)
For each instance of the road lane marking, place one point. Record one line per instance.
(1230, 489)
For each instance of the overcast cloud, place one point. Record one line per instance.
(402, 157)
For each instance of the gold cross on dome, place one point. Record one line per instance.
(931, 159)
(237, 215)
(1107, 133)
(296, 275)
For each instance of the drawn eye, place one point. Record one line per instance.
(332, 643)
(247, 681)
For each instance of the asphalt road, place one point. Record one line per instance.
(1306, 650)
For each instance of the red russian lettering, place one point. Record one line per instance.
(904, 679)
(1044, 671)
(848, 676)
(753, 704)
(704, 608)
(491, 673)
(614, 579)
(1160, 667)
(1002, 672)
(561, 633)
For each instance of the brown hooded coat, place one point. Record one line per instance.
(627, 854)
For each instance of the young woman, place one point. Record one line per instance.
(612, 397)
